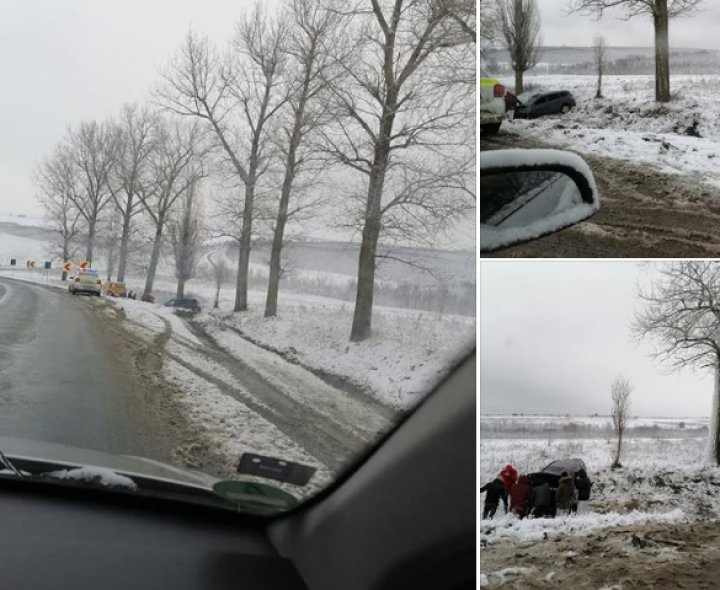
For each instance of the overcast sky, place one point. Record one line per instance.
(554, 334)
(698, 31)
(67, 60)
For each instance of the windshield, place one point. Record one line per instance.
(214, 266)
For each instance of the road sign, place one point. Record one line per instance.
(31, 264)
(67, 266)
(85, 265)
(13, 262)
(48, 265)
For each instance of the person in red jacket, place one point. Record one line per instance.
(519, 496)
(508, 476)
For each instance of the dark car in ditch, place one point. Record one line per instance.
(551, 474)
(184, 306)
(546, 103)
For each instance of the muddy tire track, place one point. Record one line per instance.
(643, 213)
(326, 440)
(359, 393)
(650, 556)
(184, 443)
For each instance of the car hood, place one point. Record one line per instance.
(65, 455)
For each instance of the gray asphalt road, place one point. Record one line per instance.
(60, 379)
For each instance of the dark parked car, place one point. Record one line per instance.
(546, 103)
(551, 473)
(184, 306)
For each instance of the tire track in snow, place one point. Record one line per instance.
(330, 443)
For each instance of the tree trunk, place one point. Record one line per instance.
(216, 304)
(124, 240)
(154, 259)
(65, 256)
(278, 239)
(90, 242)
(598, 94)
(279, 234)
(662, 51)
(110, 262)
(518, 82)
(618, 450)
(274, 278)
(180, 294)
(241, 284)
(712, 450)
(290, 170)
(362, 318)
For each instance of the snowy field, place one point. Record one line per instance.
(681, 137)
(663, 479)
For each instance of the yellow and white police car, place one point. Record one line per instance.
(492, 103)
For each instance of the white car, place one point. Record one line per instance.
(85, 281)
(492, 103)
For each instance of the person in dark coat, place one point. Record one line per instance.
(511, 103)
(520, 496)
(582, 485)
(495, 492)
(541, 496)
(565, 494)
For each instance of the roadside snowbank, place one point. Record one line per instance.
(407, 355)
(511, 527)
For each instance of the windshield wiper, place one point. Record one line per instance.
(8, 465)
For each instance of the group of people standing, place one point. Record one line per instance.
(530, 495)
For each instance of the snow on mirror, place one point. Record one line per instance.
(525, 194)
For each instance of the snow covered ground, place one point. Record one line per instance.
(681, 137)
(663, 480)
(408, 353)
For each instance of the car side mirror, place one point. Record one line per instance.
(526, 194)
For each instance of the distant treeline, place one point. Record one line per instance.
(699, 61)
(514, 429)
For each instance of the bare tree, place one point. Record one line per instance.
(58, 186)
(136, 141)
(520, 23)
(387, 103)
(620, 391)
(490, 27)
(311, 27)
(682, 315)
(220, 273)
(236, 97)
(185, 237)
(463, 12)
(110, 235)
(661, 11)
(599, 54)
(93, 149)
(173, 170)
